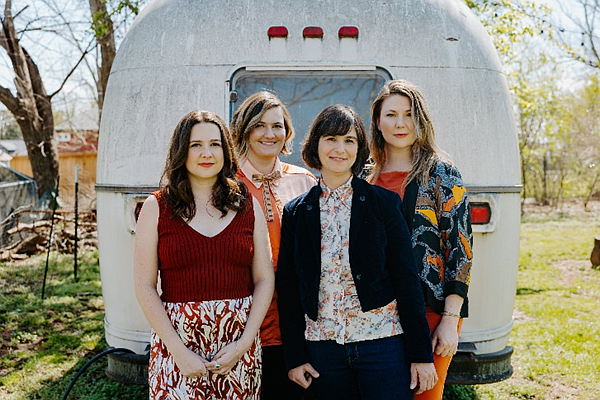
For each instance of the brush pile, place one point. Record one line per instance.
(28, 235)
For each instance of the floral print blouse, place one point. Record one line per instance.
(340, 317)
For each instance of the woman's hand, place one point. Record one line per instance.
(226, 358)
(303, 375)
(190, 364)
(422, 376)
(445, 337)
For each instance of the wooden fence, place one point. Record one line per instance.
(66, 170)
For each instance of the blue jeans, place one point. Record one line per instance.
(370, 369)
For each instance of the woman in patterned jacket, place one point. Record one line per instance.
(208, 241)
(436, 209)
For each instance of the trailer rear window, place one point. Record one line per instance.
(306, 93)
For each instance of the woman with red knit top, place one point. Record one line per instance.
(208, 241)
(435, 207)
(262, 129)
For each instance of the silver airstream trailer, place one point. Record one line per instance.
(182, 55)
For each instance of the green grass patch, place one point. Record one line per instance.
(556, 337)
(44, 343)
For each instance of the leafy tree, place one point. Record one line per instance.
(510, 23)
(584, 125)
(542, 125)
(521, 32)
(97, 40)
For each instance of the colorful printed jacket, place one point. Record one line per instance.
(439, 219)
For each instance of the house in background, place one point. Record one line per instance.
(77, 142)
(10, 148)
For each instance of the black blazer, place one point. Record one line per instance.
(381, 260)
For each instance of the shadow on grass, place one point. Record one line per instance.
(92, 384)
(460, 392)
(525, 291)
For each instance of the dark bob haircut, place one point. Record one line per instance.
(336, 120)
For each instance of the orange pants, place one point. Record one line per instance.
(441, 363)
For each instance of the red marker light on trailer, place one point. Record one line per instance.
(348, 32)
(277, 31)
(481, 213)
(312, 32)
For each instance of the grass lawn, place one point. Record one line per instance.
(43, 343)
(556, 337)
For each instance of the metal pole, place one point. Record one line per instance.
(55, 200)
(76, 220)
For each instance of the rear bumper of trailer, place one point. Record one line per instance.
(471, 369)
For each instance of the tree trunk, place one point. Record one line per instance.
(545, 200)
(31, 107)
(525, 193)
(590, 193)
(42, 151)
(561, 183)
(105, 36)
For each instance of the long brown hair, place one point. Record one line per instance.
(228, 193)
(246, 118)
(424, 151)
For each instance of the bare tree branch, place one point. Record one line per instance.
(90, 47)
(19, 13)
(31, 107)
(9, 100)
(586, 25)
(77, 43)
(16, 55)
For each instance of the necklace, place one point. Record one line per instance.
(208, 206)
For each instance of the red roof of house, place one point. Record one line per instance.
(81, 142)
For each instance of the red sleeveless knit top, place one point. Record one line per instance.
(194, 267)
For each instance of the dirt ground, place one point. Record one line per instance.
(565, 207)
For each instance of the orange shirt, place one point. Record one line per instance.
(294, 181)
(393, 181)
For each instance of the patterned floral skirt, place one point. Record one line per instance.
(205, 327)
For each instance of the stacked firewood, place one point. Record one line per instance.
(27, 238)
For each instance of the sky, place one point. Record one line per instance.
(56, 48)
